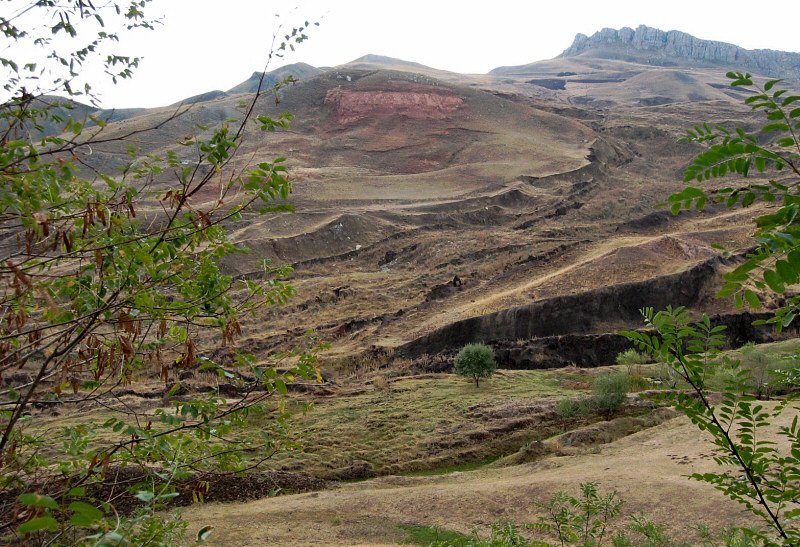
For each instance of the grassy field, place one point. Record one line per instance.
(431, 423)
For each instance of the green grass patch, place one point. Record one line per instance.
(426, 535)
(436, 423)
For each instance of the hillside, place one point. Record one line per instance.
(529, 190)
(432, 210)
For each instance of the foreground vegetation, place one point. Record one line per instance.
(108, 276)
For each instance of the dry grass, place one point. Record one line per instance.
(648, 469)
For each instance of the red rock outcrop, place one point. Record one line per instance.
(419, 101)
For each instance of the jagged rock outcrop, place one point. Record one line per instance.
(655, 43)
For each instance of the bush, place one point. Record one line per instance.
(638, 383)
(107, 277)
(631, 357)
(609, 392)
(567, 409)
(476, 361)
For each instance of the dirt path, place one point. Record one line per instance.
(648, 469)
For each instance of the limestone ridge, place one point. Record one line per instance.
(655, 44)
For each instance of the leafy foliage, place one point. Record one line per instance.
(773, 157)
(503, 533)
(104, 278)
(586, 520)
(579, 520)
(476, 361)
(757, 472)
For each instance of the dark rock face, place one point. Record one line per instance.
(550, 83)
(574, 314)
(573, 329)
(593, 350)
(678, 44)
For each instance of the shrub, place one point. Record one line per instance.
(759, 365)
(567, 409)
(638, 383)
(631, 357)
(475, 361)
(609, 392)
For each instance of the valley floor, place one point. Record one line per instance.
(648, 469)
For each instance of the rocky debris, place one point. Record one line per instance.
(675, 44)
(389, 257)
(445, 289)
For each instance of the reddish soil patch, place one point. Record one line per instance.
(419, 101)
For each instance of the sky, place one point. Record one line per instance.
(202, 45)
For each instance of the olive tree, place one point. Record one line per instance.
(106, 276)
(476, 361)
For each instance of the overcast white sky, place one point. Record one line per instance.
(212, 44)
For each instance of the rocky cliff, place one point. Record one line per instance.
(656, 45)
(573, 314)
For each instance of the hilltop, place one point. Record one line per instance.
(654, 47)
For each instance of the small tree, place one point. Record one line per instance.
(475, 360)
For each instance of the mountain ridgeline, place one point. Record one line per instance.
(658, 47)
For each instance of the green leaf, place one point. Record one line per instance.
(112, 538)
(38, 500)
(775, 127)
(81, 521)
(145, 496)
(752, 299)
(204, 533)
(35, 525)
(86, 509)
(785, 270)
(774, 281)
